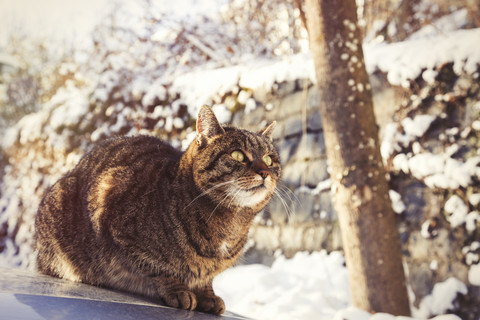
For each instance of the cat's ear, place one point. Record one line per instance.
(268, 130)
(207, 125)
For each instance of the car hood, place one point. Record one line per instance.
(29, 295)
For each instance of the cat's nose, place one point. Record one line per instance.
(260, 168)
(263, 173)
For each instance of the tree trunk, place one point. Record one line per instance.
(367, 221)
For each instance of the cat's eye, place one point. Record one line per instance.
(238, 155)
(268, 160)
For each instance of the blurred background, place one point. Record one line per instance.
(75, 73)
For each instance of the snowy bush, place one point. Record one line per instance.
(35, 75)
(267, 28)
(435, 142)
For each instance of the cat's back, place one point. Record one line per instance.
(139, 153)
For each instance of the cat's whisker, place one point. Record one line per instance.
(210, 190)
(234, 196)
(293, 198)
(241, 260)
(149, 192)
(219, 203)
(277, 194)
(285, 205)
(285, 192)
(245, 181)
(289, 193)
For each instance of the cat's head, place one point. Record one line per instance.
(232, 166)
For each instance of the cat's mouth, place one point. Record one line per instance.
(253, 184)
(256, 188)
(250, 194)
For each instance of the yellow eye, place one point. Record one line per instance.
(267, 160)
(238, 155)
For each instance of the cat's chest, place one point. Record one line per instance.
(224, 248)
(230, 248)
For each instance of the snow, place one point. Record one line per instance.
(454, 173)
(429, 75)
(351, 313)
(263, 74)
(202, 86)
(250, 105)
(448, 23)
(471, 221)
(243, 96)
(472, 253)
(426, 231)
(8, 60)
(309, 286)
(322, 186)
(476, 125)
(457, 209)
(417, 126)
(314, 286)
(394, 139)
(155, 91)
(436, 170)
(442, 297)
(404, 61)
(458, 213)
(74, 105)
(223, 113)
(474, 275)
(474, 199)
(397, 203)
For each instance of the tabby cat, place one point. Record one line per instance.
(138, 215)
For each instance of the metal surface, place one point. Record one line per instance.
(27, 295)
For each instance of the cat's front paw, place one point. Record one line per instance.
(211, 303)
(181, 299)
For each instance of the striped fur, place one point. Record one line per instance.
(137, 215)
